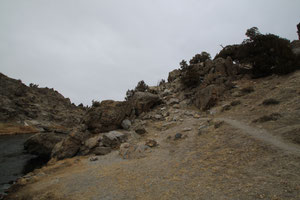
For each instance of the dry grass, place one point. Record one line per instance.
(12, 129)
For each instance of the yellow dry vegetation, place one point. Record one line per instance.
(12, 129)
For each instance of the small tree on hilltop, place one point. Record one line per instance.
(198, 58)
(252, 33)
(183, 65)
(141, 86)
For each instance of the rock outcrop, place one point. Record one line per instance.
(84, 143)
(39, 107)
(70, 146)
(207, 97)
(41, 144)
(143, 102)
(107, 116)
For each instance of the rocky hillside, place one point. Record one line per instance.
(244, 147)
(211, 132)
(25, 109)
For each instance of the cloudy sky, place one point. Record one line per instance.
(97, 49)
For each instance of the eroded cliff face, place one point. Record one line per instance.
(40, 108)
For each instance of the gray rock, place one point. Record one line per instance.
(92, 142)
(101, 150)
(176, 106)
(186, 129)
(208, 97)
(158, 117)
(92, 159)
(226, 107)
(129, 151)
(126, 124)
(166, 92)
(151, 143)
(113, 139)
(173, 101)
(177, 136)
(69, 146)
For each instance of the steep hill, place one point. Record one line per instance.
(33, 109)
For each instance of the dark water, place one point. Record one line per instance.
(13, 161)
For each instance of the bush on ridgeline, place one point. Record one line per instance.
(141, 86)
(198, 58)
(95, 103)
(253, 32)
(190, 76)
(183, 65)
(267, 54)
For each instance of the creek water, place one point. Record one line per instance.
(14, 163)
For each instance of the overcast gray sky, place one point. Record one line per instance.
(97, 49)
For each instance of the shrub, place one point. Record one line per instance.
(32, 85)
(190, 76)
(251, 33)
(183, 65)
(141, 86)
(200, 58)
(95, 103)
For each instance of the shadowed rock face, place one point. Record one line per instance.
(41, 144)
(143, 102)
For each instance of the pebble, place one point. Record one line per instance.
(151, 143)
(177, 136)
(186, 129)
(92, 159)
(197, 116)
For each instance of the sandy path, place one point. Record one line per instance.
(263, 135)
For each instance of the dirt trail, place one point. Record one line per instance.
(263, 135)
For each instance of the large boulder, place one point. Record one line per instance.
(107, 116)
(70, 146)
(143, 102)
(207, 97)
(41, 144)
